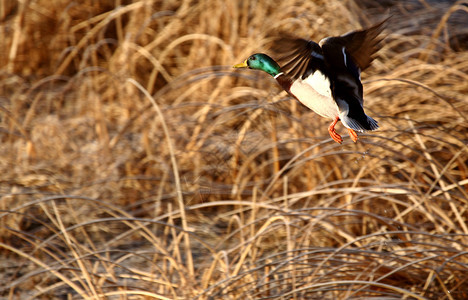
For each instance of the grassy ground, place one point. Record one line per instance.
(136, 163)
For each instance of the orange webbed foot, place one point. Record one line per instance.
(353, 135)
(334, 135)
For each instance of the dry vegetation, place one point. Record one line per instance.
(136, 163)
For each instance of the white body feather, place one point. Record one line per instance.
(314, 92)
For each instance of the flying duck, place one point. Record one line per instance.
(326, 77)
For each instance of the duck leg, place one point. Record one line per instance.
(334, 135)
(353, 135)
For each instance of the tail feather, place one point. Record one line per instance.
(352, 115)
(359, 125)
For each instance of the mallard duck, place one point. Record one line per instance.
(326, 77)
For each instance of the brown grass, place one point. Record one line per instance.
(136, 163)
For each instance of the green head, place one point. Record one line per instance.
(260, 61)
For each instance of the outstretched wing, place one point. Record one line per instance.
(347, 55)
(361, 45)
(298, 57)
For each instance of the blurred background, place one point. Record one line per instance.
(137, 163)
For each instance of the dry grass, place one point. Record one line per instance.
(136, 163)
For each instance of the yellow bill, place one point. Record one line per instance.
(241, 65)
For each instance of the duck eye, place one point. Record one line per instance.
(253, 58)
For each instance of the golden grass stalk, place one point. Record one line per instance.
(136, 163)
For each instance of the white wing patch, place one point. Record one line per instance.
(344, 56)
(319, 82)
(322, 41)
